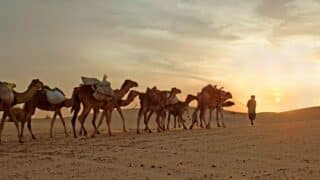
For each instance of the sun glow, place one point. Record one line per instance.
(277, 97)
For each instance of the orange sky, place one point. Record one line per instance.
(270, 48)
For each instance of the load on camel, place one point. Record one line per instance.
(102, 89)
(6, 92)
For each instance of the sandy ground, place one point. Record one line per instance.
(278, 147)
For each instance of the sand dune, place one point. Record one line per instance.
(280, 146)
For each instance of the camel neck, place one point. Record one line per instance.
(123, 91)
(25, 96)
(129, 99)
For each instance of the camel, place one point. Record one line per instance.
(40, 101)
(84, 95)
(178, 109)
(154, 101)
(19, 98)
(19, 114)
(120, 103)
(210, 98)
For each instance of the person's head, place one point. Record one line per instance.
(253, 97)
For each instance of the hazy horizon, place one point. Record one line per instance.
(270, 48)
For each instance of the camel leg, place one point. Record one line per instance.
(169, 116)
(95, 114)
(30, 129)
(147, 121)
(96, 130)
(82, 119)
(122, 118)
(217, 117)
(4, 116)
(138, 123)
(222, 118)
(82, 124)
(22, 127)
(210, 119)
(179, 122)
(194, 119)
(174, 122)
(16, 123)
(158, 123)
(108, 119)
(73, 122)
(163, 120)
(63, 123)
(52, 123)
(202, 117)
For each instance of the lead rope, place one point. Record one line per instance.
(244, 106)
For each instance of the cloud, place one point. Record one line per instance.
(276, 9)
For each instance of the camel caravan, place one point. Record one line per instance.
(98, 95)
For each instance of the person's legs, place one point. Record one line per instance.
(252, 117)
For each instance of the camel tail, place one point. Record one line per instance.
(75, 107)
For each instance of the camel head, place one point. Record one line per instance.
(175, 91)
(37, 84)
(133, 93)
(225, 95)
(228, 104)
(129, 84)
(190, 98)
(228, 95)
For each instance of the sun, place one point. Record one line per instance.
(277, 99)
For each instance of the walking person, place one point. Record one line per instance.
(252, 104)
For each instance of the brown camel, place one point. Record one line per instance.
(210, 98)
(19, 98)
(40, 101)
(154, 101)
(84, 95)
(19, 114)
(178, 109)
(107, 113)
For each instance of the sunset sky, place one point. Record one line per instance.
(270, 48)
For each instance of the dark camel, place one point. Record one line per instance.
(84, 95)
(107, 113)
(178, 109)
(210, 98)
(154, 101)
(39, 100)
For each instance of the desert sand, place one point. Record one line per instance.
(279, 146)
